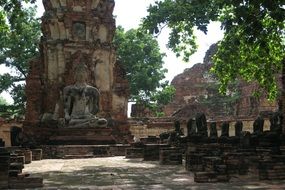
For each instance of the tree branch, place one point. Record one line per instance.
(16, 66)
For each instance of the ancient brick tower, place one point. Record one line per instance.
(75, 31)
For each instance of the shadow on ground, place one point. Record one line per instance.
(120, 173)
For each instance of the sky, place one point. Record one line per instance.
(129, 13)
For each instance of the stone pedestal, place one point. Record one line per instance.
(82, 136)
(17, 159)
(215, 171)
(25, 182)
(151, 151)
(4, 168)
(72, 136)
(37, 154)
(194, 161)
(134, 153)
(210, 177)
(82, 151)
(27, 154)
(15, 169)
(271, 170)
(2, 143)
(236, 163)
(170, 156)
(150, 140)
(282, 150)
(11, 166)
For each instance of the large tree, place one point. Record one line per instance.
(253, 46)
(142, 60)
(19, 39)
(14, 8)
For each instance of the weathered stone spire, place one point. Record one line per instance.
(73, 29)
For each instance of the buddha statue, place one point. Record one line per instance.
(81, 102)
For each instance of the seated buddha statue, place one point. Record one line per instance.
(81, 102)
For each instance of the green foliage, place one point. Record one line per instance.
(257, 56)
(181, 17)
(253, 46)
(221, 103)
(140, 56)
(19, 38)
(164, 96)
(14, 8)
(160, 98)
(7, 111)
(3, 101)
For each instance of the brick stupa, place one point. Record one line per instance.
(75, 32)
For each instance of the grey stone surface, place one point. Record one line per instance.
(119, 173)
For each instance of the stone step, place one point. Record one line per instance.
(4, 182)
(84, 131)
(17, 159)
(82, 140)
(23, 152)
(170, 156)
(78, 156)
(151, 151)
(14, 173)
(25, 182)
(59, 151)
(210, 177)
(134, 153)
(93, 137)
(37, 154)
(16, 166)
(2, 143)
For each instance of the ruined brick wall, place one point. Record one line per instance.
(5, 134)
(151, 126)
(5, 130)
(197, 91)
(76, 32)
(145, 129)
(249, 105)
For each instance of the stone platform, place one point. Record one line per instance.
(70, 136)
(2, 143)
(11, 167)
(82, 151)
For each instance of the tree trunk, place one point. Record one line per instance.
(282, 99)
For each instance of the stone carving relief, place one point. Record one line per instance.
(72, 60)
(94, 3)
(79, 30)
(72, 3)
(95, 32)
(103, 33)
(104, 8)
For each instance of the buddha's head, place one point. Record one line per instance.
(81, 73)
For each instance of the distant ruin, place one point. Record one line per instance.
(197, 91)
